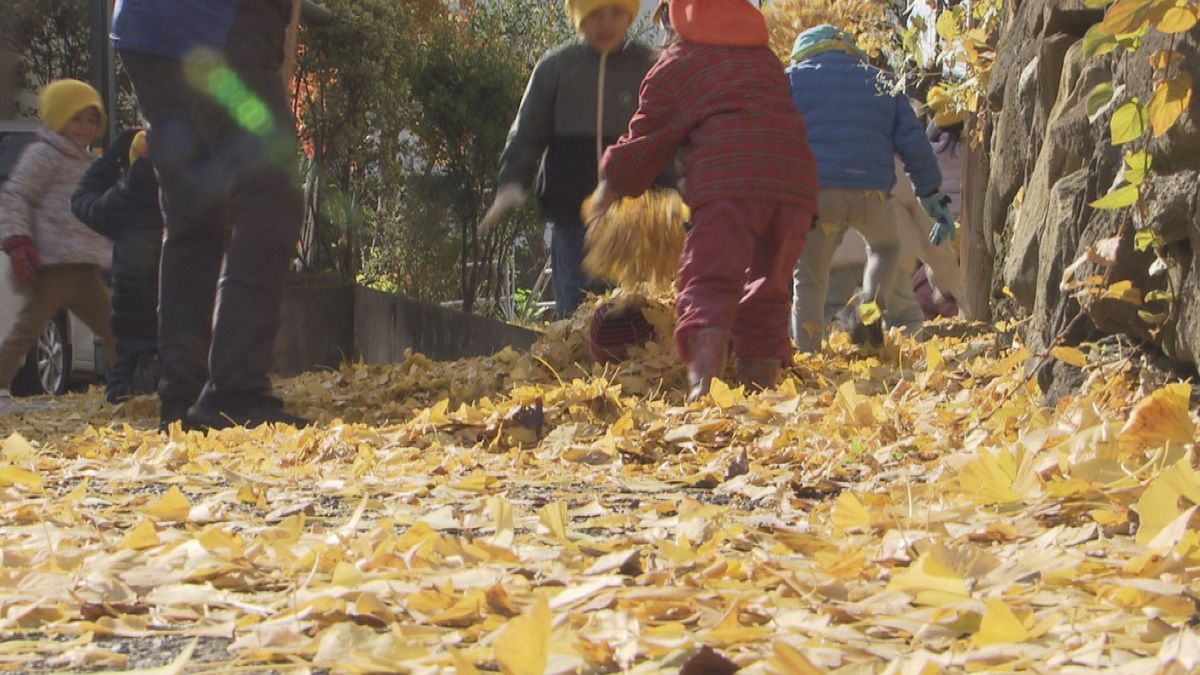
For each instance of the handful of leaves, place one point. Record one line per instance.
(638, 241)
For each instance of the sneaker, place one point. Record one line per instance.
(264, 411)
(117, 394)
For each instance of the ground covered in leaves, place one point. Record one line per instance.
(913, 511)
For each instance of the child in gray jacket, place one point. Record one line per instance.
(564, 124)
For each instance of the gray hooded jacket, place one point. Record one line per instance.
(555, 128)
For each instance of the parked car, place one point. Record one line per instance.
(66, 350)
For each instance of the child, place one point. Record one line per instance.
(857, 125)
(125, 209)
(55, 258)
(719, 94)
(561, 123)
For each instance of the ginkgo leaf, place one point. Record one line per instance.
(145, 535)
(870, 313)
(1161, 417)
(554, 517)
(788, 660)
(930, 581)
(522, 646)
(999, 626)
(1070, 356)
(15, 475)
(503, 521)
(17, 449)
(174, 505)
(723, 396)
(1000, 478)
(849, 513)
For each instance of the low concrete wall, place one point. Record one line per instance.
(326, 322)
(386, 324)
(318, 325)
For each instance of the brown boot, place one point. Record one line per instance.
(758, 374)
(708, 348)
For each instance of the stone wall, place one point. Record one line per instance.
(1045, 160)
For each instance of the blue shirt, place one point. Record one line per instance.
(172, 28)
(856, 125)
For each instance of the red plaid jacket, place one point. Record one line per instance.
(729, 112)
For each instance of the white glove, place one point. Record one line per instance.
(507, 196)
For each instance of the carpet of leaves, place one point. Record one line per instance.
(913, 511)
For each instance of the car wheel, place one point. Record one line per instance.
(47, 368)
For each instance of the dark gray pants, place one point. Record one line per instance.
(222, 139)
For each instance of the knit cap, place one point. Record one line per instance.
(725, 23)
(945, 114)
(579, 9)
(138, 147)
(62, 100)
(825, 38)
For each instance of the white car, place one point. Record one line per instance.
(66, 349)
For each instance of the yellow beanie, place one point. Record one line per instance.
(61, 100)
(138, 147)
(579, 9)
(945, 114)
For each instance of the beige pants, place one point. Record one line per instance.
(78, 288)
(872, 214)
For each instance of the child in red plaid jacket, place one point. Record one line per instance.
(719, 97)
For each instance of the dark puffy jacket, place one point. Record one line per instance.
(126, 211)
(555, 127)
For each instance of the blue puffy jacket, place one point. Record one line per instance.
(856, 125)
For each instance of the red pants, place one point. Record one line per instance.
(736, 273)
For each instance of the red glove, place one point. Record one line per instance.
(24, 258)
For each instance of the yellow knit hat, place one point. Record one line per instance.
(579, 9)
(138, 147)
(945, 113)
(61, 100)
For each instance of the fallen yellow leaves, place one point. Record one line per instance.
(914, 511)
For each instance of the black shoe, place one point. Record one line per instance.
(117, 394)
(170, 412)
(265, 410)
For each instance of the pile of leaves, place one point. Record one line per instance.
(915, 510)
(638, 241)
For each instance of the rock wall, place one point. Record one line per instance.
(1042, 162)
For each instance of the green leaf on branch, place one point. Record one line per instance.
(1123, 291)
(1160, 296)
(1137, 165)
(1174, 16)
(1126, 16)
(1152, 318)
(1126, 195)
(1145, 239)
(1099, 97)
(1170, 99)
(1096, 42)
(1128, 122)
(1097, 4)
(947, 26)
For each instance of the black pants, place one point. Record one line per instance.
(222, 139)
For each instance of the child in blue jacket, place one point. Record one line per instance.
(857, 121)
